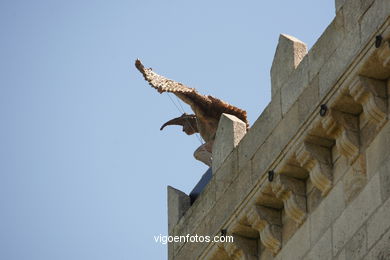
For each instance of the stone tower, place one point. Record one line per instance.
(311, 178)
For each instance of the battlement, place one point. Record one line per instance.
(311, 177)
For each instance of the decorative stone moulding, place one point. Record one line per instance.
(318, 161)
(384, 54)
(292, 192)
(371, 94)
(268, 223)
(344, 128)
(241, 248)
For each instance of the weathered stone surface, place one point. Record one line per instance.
(373, 18)
(293, 87)
(339, 4)
(325, 214)
(344, 128)
(356, 248)
(314, 198)
(178, 204)
(356, 214)
(308, 100)
(326, 45)
(381, 250)
(378, 224)
(355, 179)
(317, 160)
(298, 245)
(229, 133)
(340, 167)
(384, 174)
(371, 94)
(322, 250)
(378, 151)
(241, 248)
(268, 223)
(289, 53)
(226, 174)
(341, 256)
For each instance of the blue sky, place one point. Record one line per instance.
(83, 165)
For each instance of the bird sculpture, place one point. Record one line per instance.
(207, 111)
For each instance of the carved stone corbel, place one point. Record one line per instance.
(317, 161)
(268, 222)
(292, 192)
(241, 248)
(371, 94)
(344, 128)
(384, 54)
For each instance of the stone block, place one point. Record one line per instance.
(226, 174)
(289, 53)
(294, 85)
(322, 250)
(340, 167)
(338, 4)
(352, 11)
(178, 204)
(356, 248)
(378, 151)
(381, 250)
(356, 214)
(373, 19)
(276, 142)
(298, 245)
(326, 45)
(201, 207)
(229, 133)
(260, 130)
(384, 174)
(327, 211)
(314, 198)
(340, 256)
(289, 227)
(355, 179)
(378, 224)
(308, 100)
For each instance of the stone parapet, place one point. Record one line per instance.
(311, 176)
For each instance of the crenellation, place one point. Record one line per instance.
(260, 130)
(297, 82)
(288, 55)
(326, 45)
(329, 195)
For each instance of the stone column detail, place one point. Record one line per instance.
(344, 128)
(371, 94)
(318, 161)
(292, 192)
(268, 222)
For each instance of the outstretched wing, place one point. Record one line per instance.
(209, 106)
(161, 83)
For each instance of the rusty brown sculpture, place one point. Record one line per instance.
(207, 109)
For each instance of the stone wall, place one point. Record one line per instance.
(325, 135)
